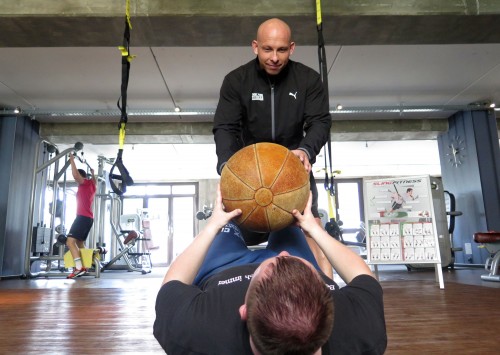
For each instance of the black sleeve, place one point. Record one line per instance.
(370, 285)
(227, 121)
(359, 322)
(173, 299)
(190, 320)
(317, 116)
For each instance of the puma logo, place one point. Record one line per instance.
(293, 94)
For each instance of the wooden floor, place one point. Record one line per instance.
(114, 314)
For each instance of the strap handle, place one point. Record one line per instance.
(124, 176)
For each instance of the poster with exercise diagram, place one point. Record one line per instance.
(401, 228)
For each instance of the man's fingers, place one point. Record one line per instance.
(308, 167)
(235, 213)
(296, 214)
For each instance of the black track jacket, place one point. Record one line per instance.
(290, 109)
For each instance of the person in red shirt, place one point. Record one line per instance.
(84, 220)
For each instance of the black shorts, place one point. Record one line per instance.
(80, 228)
(396, 206)
(254, 238)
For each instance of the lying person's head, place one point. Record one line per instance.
(288, 307)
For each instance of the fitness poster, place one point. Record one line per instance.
(400, 223)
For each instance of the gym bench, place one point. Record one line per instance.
(491, 241)
(125, 246)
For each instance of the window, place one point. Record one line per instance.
(170, 210)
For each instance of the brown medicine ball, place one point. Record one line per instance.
(267, 182)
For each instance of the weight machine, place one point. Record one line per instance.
(41, 251)
(129, 249)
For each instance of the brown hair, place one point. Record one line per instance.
(289, 311)
(82, 173)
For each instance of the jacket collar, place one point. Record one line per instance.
(274, 78)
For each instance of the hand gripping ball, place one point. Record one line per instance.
(267, 182)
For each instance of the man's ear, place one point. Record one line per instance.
(243, 312)
(255, 47)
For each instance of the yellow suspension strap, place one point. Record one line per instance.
(332, 226)
(123, 176)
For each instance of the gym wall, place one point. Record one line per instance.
(18, 139)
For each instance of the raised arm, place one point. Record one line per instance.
(94, 178)
(76, 175)
(347, 263)
(186, 265)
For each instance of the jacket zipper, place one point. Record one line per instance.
(273, 128)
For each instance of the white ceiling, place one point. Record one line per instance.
(41, 80)
(52, 79)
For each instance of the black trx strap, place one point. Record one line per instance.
(332, 226)
(123, 176)
(329, 182)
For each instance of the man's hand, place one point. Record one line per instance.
(220, 217)
(303, 158)
(306, 221)
(186, 265)
(347, 263)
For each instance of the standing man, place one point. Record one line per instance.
(80, 228)
(273, 99)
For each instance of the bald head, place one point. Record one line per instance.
(276, 28)
(273, 45)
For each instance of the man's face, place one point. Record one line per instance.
(273, 50)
